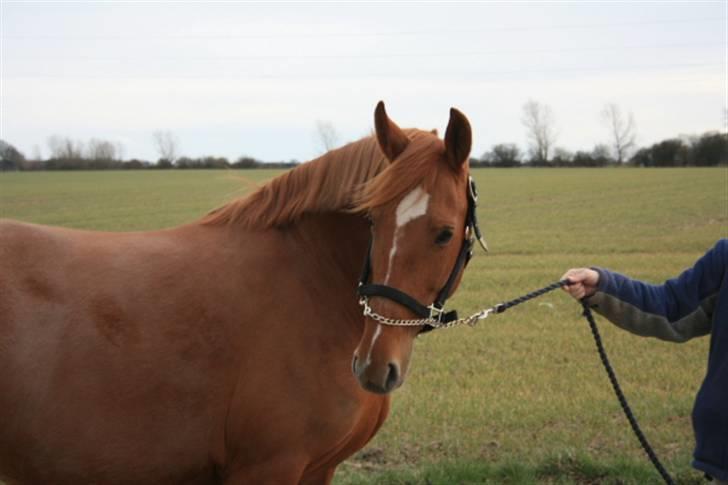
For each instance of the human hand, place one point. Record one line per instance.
(583, 282)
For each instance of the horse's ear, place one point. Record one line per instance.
(458, 138)
(391, 138)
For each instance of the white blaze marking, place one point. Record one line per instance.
(374, 340)
(392, 252)
(412, 206)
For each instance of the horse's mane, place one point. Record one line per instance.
(354, 178)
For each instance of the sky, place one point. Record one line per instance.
(240, 78)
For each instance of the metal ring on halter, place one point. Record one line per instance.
(436, 313)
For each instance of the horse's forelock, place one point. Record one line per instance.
(418, 165)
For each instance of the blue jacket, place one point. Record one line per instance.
(693, 304)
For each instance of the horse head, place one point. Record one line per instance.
(421, 212)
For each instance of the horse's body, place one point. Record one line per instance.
(117, 349)
(218, 351)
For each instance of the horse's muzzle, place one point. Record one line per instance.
(377, 379)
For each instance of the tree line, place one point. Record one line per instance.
(619, 148)
(96, 154)
(706, 150)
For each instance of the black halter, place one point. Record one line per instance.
(435, 310)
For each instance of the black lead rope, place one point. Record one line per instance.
(620, 396)
(501, 307)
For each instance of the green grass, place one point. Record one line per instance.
(123, 200)
(522, 397)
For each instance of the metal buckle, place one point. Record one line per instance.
(436, 313)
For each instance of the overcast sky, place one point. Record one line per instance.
(236, 79)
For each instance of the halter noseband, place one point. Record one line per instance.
(435, 311)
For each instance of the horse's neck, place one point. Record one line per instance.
(326, 253)
(333, 246)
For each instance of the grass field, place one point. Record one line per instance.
(522, 397)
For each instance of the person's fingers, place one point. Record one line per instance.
(571, 280)
(591, 279)
(574, 289)
(576, 276)
(582, 282)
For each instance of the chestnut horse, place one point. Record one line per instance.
(221, 351)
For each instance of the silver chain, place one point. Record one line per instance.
(418, 322)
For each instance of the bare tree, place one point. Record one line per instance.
(37, 155)
(327, 136)
(101, 150)
(621, 131)
(63, 148)
(539, 122)
(166, 144)
(119, 150)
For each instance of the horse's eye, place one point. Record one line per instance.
(444, 237)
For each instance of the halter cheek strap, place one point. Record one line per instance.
(435, 310)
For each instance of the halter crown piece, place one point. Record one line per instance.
(431, 316)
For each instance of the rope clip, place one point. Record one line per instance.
(481, 315)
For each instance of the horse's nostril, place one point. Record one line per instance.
(392, 377)
(353, 363)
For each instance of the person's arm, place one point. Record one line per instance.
(677, 310)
